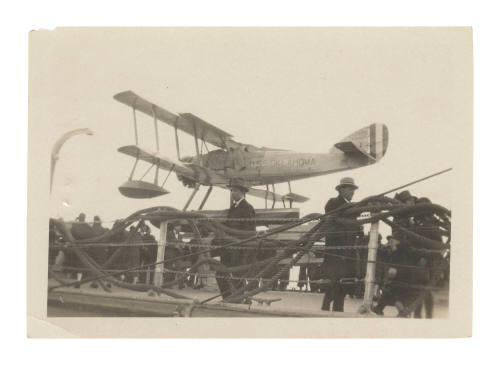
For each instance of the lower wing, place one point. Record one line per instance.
(155, 158)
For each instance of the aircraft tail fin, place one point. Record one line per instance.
(370, 142)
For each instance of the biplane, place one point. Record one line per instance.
(230, 160)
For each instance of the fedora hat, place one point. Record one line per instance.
(237, 183)
(404, 196)
(346, 181)
(423, 200)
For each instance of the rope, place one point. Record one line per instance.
(196, 245)
(239, 238)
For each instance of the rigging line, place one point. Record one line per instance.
(149, 169)
(169, 172)
(415, 181)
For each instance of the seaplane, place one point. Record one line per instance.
(229, 160)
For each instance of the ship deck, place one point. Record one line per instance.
(89, 302)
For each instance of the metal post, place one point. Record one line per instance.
(265, 198)
(162, 242)
(370, 269)
(274, 197)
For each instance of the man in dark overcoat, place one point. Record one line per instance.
(241, 209)
(339, 264)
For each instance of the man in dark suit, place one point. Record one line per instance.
(240, 208)
(336, 267)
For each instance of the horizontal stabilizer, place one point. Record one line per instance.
(269, 195)
(350, 148)
(263, 194)
(370, 142)
(296, 198)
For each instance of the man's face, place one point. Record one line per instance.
(347, 192)
(236, 194)
(410, 201)
(393, 244)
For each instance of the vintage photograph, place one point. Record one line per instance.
(252, 172)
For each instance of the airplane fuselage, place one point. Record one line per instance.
(263, 167)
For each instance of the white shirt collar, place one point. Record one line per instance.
(238, 202)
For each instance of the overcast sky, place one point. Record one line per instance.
(299, 89)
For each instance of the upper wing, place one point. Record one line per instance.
(186, 122)
(154, 157)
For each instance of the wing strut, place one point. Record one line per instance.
(156, 128)
(196, 187)
(156, 172)
(133, 168)
(135, 126)
(177, 143)
(205, 197)
(169, 172)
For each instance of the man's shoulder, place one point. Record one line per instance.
(246, 205)
(333, 200)
(333, 203)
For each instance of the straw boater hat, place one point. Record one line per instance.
(346, 181)
(237, 183)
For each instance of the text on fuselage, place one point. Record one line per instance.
(288, 163)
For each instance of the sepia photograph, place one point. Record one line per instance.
(201, 177)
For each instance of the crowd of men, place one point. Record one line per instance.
(400, 275)
(125, 248)
(404, 271)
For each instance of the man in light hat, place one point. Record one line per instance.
(240, 208)
(337, 267)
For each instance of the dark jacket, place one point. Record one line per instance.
(335, 267)
(345, 234)
(233, 257)
(243, 210)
